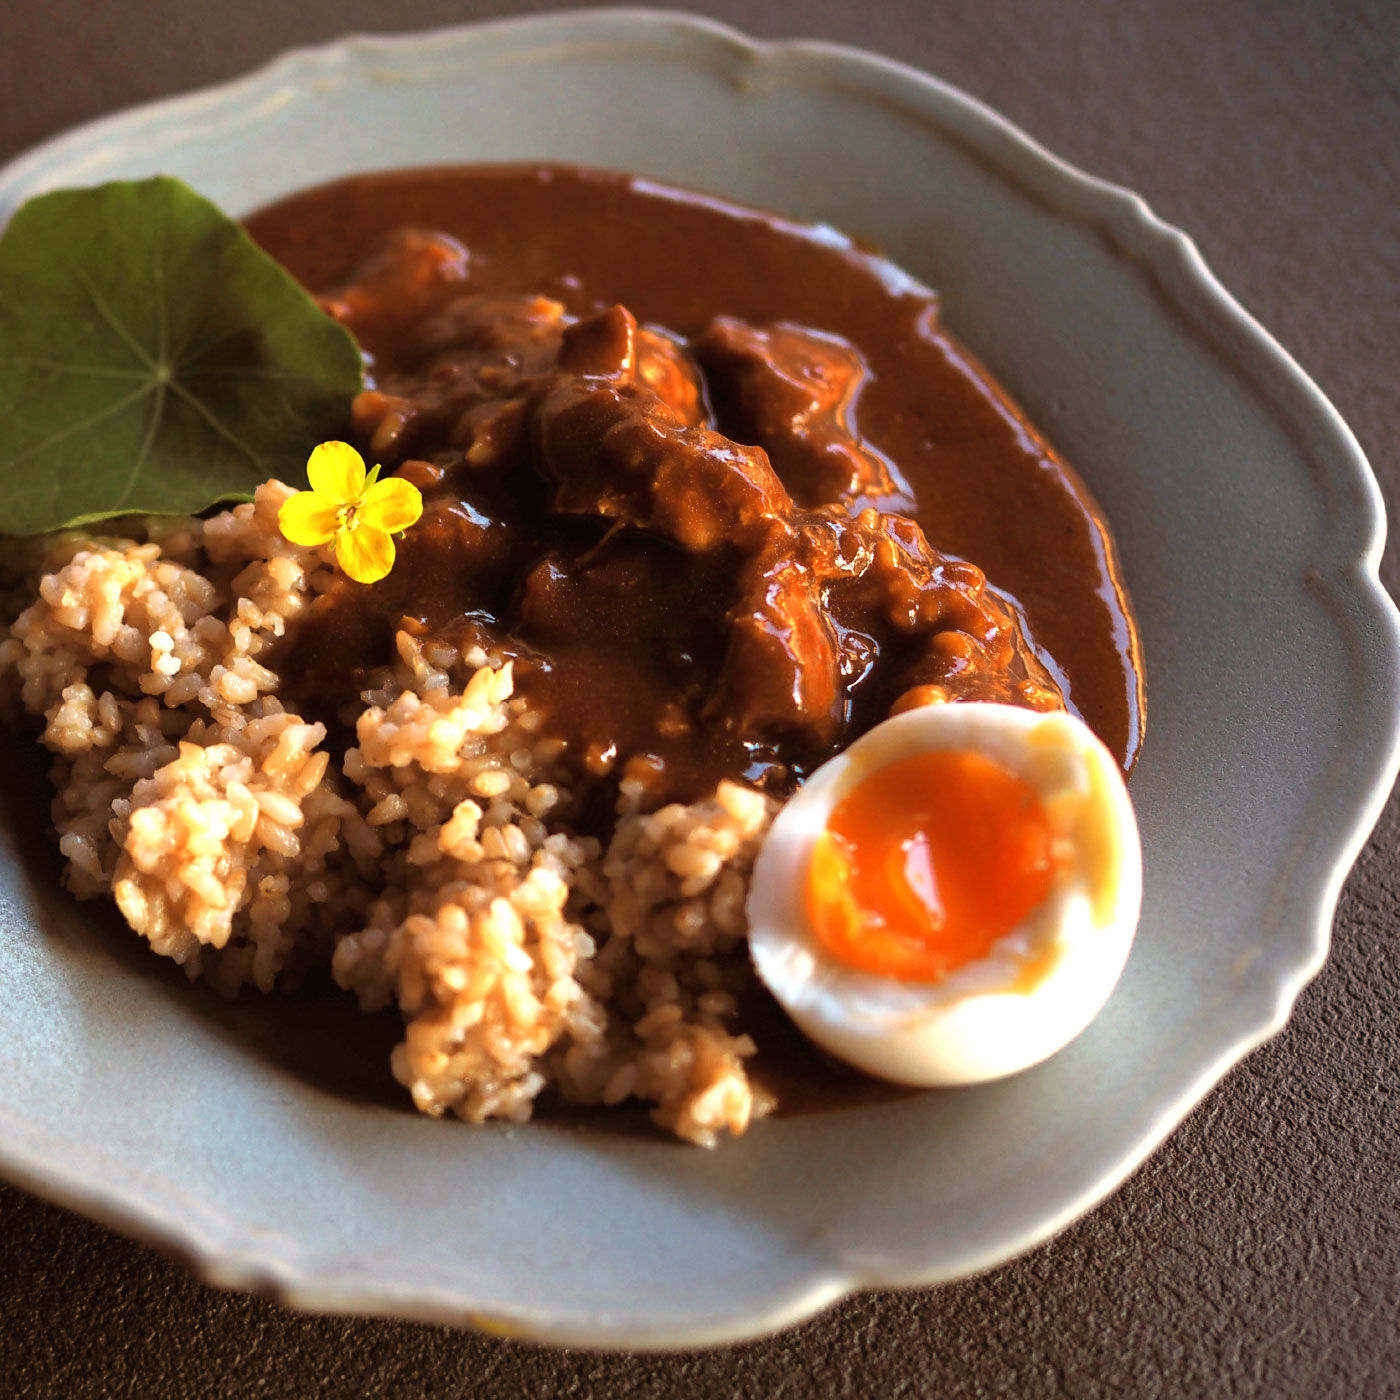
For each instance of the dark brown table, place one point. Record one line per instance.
(1258, 1252)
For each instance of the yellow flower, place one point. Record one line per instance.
(360, 513)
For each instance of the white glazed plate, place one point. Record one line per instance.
(1250, 529)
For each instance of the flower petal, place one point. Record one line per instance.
(336, 472)
(307, 518)
(392, 504)
(366, 554)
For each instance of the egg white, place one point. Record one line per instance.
(1039, 986)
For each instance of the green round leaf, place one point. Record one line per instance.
(154, 359)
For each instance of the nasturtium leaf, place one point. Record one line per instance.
(154, 359)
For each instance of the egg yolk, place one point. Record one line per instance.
(926, 863)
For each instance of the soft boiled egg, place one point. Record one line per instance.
(952, 898)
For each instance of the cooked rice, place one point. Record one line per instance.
(433, 867)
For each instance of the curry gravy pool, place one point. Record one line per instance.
(562, 370)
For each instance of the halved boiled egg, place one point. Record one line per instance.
(952, 898)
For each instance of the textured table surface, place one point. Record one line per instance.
(1257, 1253)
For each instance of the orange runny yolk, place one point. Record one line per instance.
(926, 863)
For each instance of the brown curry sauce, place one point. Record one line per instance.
(712, 478)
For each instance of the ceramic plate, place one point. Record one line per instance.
(1250, 530)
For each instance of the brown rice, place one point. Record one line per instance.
(432, 867)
